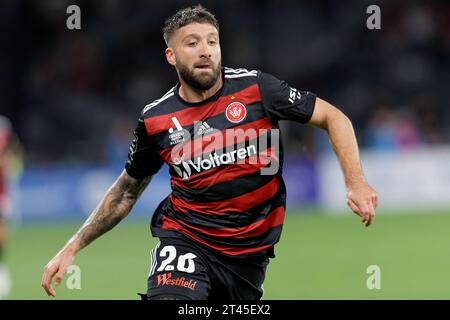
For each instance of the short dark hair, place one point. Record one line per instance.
(186, 16)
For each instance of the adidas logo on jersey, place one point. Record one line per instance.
(204, 128)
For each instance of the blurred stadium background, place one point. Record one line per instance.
(75, 96)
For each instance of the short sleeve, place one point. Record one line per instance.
(283, 102)
(143, 158)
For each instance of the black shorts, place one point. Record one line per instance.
(182, 269)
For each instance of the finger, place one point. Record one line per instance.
(47, 279)
(375, 201)
(370, 216)
(51, 292)
(60, 274)
(49, 289)
(355, 209)
(353, 206)
(366, 210)
(45, 276)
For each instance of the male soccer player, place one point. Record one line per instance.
(219, 225)
(10, 152)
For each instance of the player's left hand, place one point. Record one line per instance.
(363, 200)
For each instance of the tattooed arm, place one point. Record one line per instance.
(116, 204)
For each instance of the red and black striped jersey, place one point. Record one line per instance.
(225, 160)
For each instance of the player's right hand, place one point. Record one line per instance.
(58, 265)
(363, 200)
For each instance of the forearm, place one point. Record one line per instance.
(117, 203)
(345, 145)
(361, 198)
(343, 141)
(115, 206)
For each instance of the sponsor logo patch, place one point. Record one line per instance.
(166, 279)
(201, 163)
(177, 135)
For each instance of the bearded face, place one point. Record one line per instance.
(202, 75)
(194, 50)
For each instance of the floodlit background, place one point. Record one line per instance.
(74, 98)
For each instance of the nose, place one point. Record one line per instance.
(205, 50)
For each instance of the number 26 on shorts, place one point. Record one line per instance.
(185, 262)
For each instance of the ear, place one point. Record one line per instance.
(170, 56)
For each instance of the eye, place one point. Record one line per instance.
(212, 42)
(192, 44)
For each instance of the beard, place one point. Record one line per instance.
(202, 82)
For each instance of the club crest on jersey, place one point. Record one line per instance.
(236, 112)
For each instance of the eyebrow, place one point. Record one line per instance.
(196, 35)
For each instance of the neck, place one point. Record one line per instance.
(193, 95)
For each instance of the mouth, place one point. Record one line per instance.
(203, 66)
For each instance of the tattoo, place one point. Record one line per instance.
(116, 204)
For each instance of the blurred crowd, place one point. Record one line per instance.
(74, 96)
